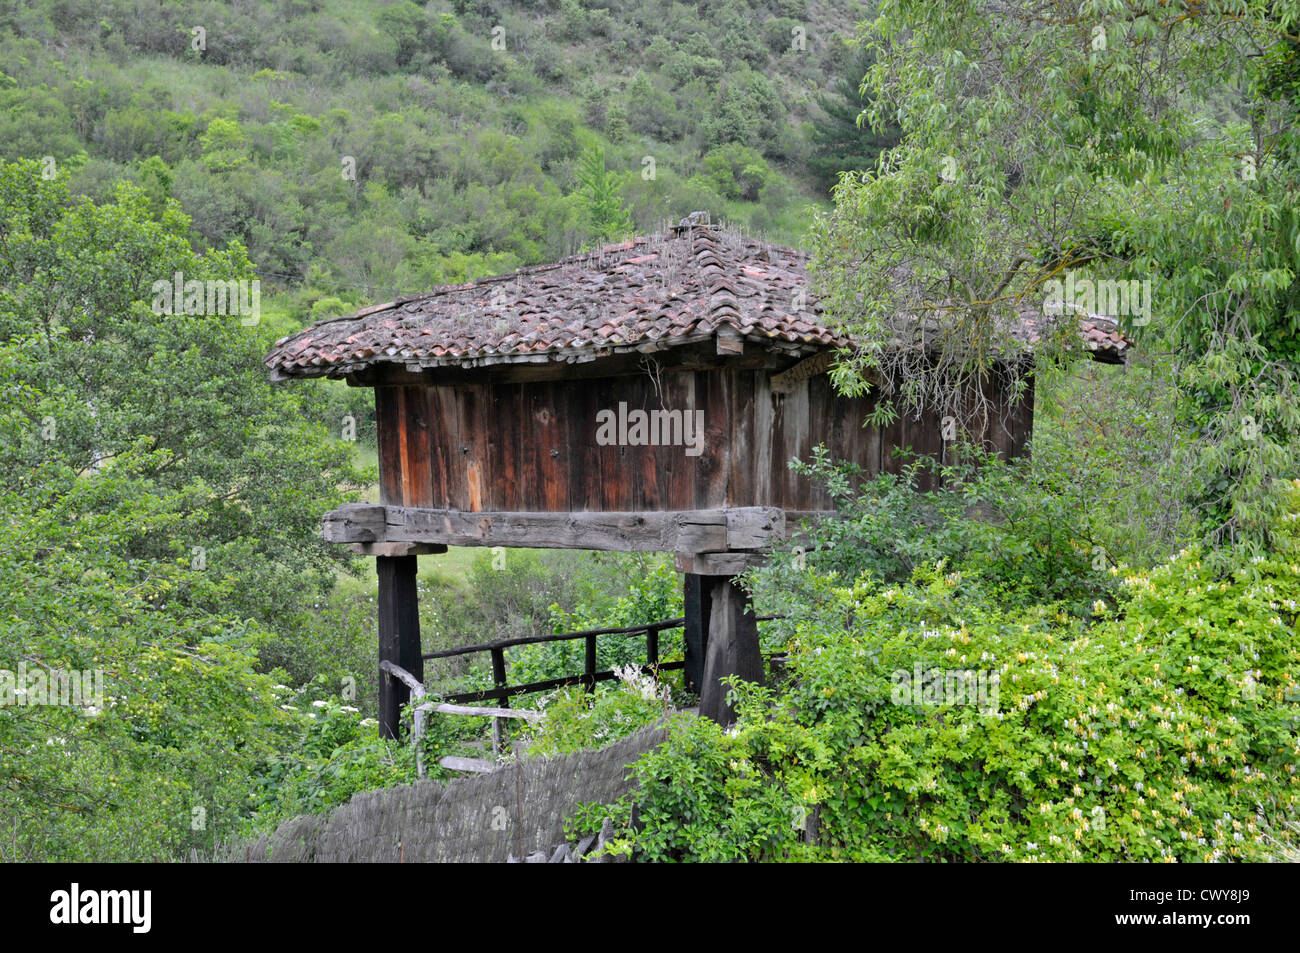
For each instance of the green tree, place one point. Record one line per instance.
(606, 217)
(80, 311)
(981, 208)
(158, 515)
(843, 141)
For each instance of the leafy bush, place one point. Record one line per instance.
(576, 720)
(1016, 522)
(337, 754)
(1160, 727)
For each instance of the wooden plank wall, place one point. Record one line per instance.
(513, 446)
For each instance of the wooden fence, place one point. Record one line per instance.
(502, 691)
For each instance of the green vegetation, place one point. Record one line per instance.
(1157, 723)
(1086, 654)
(1157, 171)
(360, 150)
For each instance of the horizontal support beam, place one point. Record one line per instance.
(397, 549)
(743, 529)
(505, 693)
(556, 637)
(527, 714)
(472, 765)
(717, 564)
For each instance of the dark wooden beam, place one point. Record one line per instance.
(701, 355)
(733, 647)
(399, 636)
(696, 593)
(784, 382)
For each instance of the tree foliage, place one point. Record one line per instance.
(1083, 139)
(159, 517)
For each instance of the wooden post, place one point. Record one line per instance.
(499, 680)
(589, 669)
(733, 647)
(696, 594)
(399, 636)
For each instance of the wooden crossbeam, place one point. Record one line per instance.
(785, 382)
(475, 765)
(527, 714)
(736, 529)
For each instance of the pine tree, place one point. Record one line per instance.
(839, 144)
(605, 213)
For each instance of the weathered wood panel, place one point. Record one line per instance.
(417, 464)
(681, 470)
(388, 431)
(473, 423)
(544, 448)
(509, 445)
(712, 466)
(445, 443)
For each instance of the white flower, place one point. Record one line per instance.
(319, 704)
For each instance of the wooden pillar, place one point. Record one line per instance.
(696, 592)
(733, 647)
(399, 636)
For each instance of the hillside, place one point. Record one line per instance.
(363, 149)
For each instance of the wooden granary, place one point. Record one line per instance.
(644, 397)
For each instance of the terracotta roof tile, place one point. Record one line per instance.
(669, 289)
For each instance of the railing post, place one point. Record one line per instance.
(589, 672)
(652, 647)
(499, 679)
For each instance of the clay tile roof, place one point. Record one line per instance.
(642, 294)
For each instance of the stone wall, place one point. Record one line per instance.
(516, 810)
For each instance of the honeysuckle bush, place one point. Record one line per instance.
(337, 752)
(576, 720)
(1160, 726)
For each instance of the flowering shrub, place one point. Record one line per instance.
(574, 720)
(339, 753)
(1163, 727)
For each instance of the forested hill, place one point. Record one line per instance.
(359, 148)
